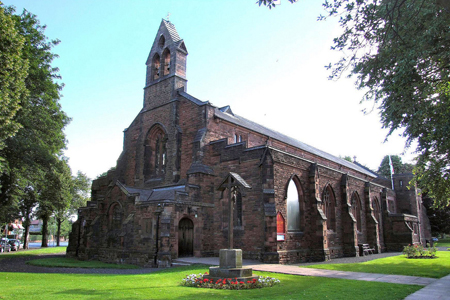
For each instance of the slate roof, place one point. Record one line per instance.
(172, 31)
(157, 194)
(193, 99)
(236, 178)
(241, 121)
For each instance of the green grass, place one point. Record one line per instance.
(398, 265)
(166, 284)
(65, 262)
(40, 251)
(443, 243)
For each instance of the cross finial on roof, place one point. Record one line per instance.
(168, 16)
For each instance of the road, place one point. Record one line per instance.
(50, 244)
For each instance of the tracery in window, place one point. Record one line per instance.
(155, 153)
(356, 210)
(115, 217)
(329, 204)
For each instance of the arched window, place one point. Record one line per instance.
(356, 210)
(166, 62)
(329, 204)
(293, 206)
(115, 217)
(156, 63)
(155, 153)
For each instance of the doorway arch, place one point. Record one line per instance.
(185, 238)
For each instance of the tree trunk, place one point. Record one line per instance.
(44, 232)
(58, 232)
(27, 232)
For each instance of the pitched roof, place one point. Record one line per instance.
(172, 31)
(223, 113)
(156, 194)
(235, 179)
(238, 120)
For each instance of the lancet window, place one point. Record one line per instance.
(294, 199)
(329, 204)
(156, 63)
(356, 210)
(155, 153)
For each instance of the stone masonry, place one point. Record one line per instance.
(163, 201)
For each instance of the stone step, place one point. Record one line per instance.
(180, 263)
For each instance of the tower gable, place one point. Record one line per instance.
(166, 66)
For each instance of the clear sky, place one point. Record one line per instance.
(268, 65)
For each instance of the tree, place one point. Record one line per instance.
(13, 70)
(398, 165)
(439, 217)
(28, 201)
(81, 188)
(39, 141)
(398, 51)
(76, 197)
(55, 196)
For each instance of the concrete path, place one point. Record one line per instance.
(434, 288)
(438, 290)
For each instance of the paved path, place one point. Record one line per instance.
(434, 288)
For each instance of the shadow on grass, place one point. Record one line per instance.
(66, 262)
(167, 285)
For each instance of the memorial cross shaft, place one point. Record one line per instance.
(230, 217)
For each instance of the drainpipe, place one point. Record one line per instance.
(158, 214)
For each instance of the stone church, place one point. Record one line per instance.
(183, 162)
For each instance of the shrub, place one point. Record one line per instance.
(197, 280)
(418, 251)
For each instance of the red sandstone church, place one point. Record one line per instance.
(183, 159)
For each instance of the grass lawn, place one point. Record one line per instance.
(398, 265)
(65, 262)
(166, 284)
(30, 252)
(443, 242)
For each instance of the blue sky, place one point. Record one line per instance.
(267, 64)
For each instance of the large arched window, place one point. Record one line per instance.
(156, 63)
(356, 210)
(155, 153)
(329, 204)
(294, 197)
(166, 62)
(115, 217)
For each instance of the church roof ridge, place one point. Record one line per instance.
(223, 113)
(241, 121)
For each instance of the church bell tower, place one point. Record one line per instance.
(166, 67)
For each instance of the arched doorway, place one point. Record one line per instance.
(185, 238)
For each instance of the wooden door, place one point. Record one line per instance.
(185, 238)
